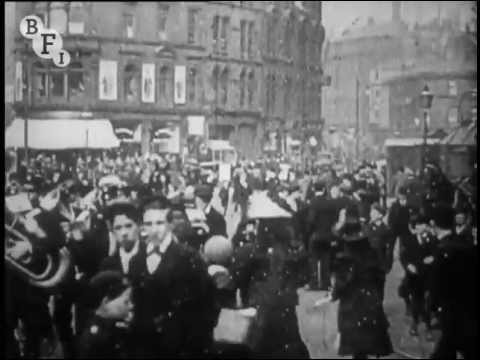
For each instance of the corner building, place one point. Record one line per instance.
(244, 71)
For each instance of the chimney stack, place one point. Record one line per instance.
(396, 11)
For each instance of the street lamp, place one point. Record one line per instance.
(426, 98)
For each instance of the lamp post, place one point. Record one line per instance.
(426, 98)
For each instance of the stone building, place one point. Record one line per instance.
(392, 62)
(9, 60)
(164, 71)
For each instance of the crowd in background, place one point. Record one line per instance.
(344, 236)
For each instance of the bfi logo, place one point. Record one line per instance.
(46, 43)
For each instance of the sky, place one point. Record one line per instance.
(338, 15)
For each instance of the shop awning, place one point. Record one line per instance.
(409, 142)
(462, 136)
(62, 134)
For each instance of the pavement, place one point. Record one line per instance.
(317, 324)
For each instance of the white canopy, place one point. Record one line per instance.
(409, 142)
(262, 207)
(62, 134)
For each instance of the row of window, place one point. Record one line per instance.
(56, 83)
(282, 35)
(309, 99)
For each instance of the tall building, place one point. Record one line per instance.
(9, 61)
(165, 72)
(392, 53)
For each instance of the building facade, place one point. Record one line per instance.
(167, 73)
(9, 60)
(392, 63)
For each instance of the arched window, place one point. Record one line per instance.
(165, 84)
(40, 9)
(273, 85)
(224, 87)
(287, 94)
(57, 83)
(132, 83)
(76, 83)
(40, 81)
(192, 85)
(216, 83)
(58, 16)
(273, 35)
(288, 38)
(267, 94)
(301, 41)
(251, 88)
(242, 85)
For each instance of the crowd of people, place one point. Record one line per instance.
(148, 281)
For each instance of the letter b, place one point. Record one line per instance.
(31, 26)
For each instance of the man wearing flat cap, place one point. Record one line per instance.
(215, 220)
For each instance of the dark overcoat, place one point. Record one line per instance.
(267, 275)
(358, 283)
(175, 310)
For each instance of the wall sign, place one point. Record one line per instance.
(148, 83)
(107, 80)
(180, 84)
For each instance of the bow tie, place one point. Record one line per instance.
(155, 250)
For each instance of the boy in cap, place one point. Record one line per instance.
(106, 334)
(417, 259)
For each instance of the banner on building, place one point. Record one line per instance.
(107, 80)
(180, 84)
(196, 125)
(19, 81)
(148, 83)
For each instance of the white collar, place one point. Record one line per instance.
(164, 244)
(126, 256)
(208, 208)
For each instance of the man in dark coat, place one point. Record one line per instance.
(358, 281)
(267, 273)
(381, 240)
(463, 229)
(321, 217)
(215, 220)
(417, 259)
(176, 311)
(399, 215)
(454, 295)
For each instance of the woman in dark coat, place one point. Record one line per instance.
(267, 272)
(358, 284)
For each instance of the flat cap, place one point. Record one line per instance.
(204, 192)
(110, 284)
